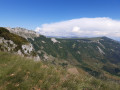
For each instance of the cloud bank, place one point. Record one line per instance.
(83, 27)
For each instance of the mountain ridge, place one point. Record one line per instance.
(23, 32)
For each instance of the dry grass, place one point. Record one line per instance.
(18, 73)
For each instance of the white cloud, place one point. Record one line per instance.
(77, 30)
(37, 29)
(82, 27)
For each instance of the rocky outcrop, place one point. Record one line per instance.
(10, 42)
(26, 50)
(7, 45)
(23, 32)
(54, 40)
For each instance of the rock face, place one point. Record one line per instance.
(100, 50)
(27, 48)
(54, 40)
(29, 51)
(7, 45)
(10, 42)
(23, 32)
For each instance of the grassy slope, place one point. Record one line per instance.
(18, 73)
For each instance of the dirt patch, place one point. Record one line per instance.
(73, 71)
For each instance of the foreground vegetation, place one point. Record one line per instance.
(19, 73)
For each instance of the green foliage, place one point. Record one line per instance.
(111, 69)
(92, 72)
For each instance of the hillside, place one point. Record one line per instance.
(97, 57)
(100, 57)
(21, 73)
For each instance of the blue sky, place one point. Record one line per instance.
(36, 13)
(33, 13)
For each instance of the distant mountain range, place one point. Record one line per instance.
(98, 56)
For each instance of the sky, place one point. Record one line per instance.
(80, 18)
